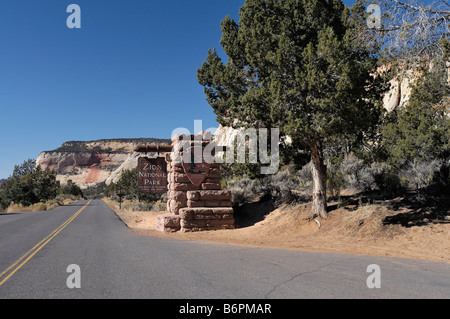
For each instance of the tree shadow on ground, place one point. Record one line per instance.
(423, 210)
(248, 214)
(428, 206)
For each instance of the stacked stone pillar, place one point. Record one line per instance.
(200, 207)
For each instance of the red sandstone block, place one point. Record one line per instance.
(182, 187)
(194, 203)
(215, 194)
(212, 180)
(193, 195)
(177, 195)
(226, 203)
(186, 214)
(177, 177)
(197, 210)
(211, 203)
(175, 206)
(193, 223)
(221, 222)
(222, 210)
(211, 186)
(207, 216)
(168, 222)
(214, 173)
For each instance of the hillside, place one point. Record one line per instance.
(88, 163)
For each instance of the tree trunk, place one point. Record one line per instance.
(319, 174)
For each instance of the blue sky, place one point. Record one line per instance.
(129, 72)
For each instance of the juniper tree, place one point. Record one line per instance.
(420, 131)
(29, 184)
(296, 65)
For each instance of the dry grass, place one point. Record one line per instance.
(353, 229)
(134, 205)
(38, 207)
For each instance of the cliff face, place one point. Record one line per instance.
(90, 163)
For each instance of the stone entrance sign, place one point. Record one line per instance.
(195, 199)
(152, 175)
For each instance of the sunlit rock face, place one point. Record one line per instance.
(90, 163)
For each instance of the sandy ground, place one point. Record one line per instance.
(355, 230)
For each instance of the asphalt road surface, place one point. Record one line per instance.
(37, 250)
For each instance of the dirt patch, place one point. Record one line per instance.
(363, 229)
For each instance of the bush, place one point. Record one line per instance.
(386, 178)
(354, 174)
(282, 187)
(244, 190)
(419, 174)
(28, 185)
(335, 179)
(357, 174)
(70, 188)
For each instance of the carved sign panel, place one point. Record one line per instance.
(197, 168)
(152, 175)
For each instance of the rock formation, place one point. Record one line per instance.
(93, 162)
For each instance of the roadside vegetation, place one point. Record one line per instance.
(409, 158)
(318, 71)
(124, 194)
(30, 188)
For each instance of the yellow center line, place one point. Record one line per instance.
(38, 247)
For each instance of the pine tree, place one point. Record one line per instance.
(296, 65)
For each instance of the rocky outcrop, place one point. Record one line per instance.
(399, 93)
(90, 163)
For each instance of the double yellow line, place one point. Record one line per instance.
(11, 270)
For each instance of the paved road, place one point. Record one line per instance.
(114, 263)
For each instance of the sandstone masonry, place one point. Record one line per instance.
(195, 207)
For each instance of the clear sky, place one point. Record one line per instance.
(129, 72)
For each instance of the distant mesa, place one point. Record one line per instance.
(88, 163)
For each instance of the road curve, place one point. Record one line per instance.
(114, 263)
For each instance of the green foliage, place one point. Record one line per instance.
(23, 169)
(29, 184)
(82, 146)
(293, 65)
(71, 189)
(298, 66)
(127, 185)
(98, 191)
(420, 130)
(286, 186)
